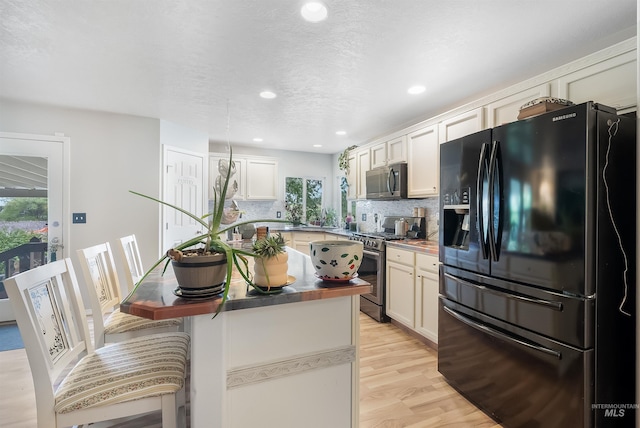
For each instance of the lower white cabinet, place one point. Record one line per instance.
(400, 295)
(426, 308)
(412, 290)
(301, 240)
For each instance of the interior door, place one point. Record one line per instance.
(183, 186)
(48, 158)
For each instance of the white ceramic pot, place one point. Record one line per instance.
(272, 271)
(336, 260)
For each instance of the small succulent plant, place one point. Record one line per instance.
(269, 246)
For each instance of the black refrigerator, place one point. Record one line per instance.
(537, 278)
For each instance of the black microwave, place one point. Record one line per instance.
(387, 182)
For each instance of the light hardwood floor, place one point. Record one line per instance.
(399, 387)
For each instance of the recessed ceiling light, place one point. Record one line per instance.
(257, 140)
(314, 11)
(417, 89)
(317, 145)
(267, 94)
(341, 132)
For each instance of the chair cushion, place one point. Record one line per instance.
(119, 322)
(148, 366)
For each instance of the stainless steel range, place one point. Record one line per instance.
(373, 267)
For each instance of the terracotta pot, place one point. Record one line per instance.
(201, 271)
(271, 272)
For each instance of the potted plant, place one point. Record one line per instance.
(207, 254)
(343, 159)
(270, 268)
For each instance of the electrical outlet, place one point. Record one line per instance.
(364, 216)
(79, 217)
(278, 214)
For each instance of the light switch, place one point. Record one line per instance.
(79, 217)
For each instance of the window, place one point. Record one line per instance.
(303, 199)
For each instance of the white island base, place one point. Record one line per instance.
(288, 366)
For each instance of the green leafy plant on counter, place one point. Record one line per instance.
(269, 246)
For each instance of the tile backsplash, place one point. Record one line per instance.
(402, 207)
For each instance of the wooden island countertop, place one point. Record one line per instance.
(155, 298)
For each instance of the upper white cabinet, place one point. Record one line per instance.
(461, 125)
(262, 179)
(423, 165)
(612, 82)
(352, 177)
(363, 161)
(506, 109)
(389, 152)
(378, 154)
(255, 178)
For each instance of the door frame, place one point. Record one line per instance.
(6, 314)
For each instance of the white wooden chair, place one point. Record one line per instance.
(77, 384)
(131, 260)
(103, 291)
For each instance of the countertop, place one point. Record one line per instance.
(421, 245)
(154, 299)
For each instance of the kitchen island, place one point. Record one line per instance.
(287, 360)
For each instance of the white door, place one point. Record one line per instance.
(183, 186)
(50, 155)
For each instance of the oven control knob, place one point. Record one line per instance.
(374, 244)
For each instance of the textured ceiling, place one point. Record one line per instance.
(186, 61)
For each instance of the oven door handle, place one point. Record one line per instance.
(371, 253)
(490, 331)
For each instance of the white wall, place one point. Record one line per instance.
(110, 154)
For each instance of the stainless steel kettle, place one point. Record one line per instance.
(401, 227)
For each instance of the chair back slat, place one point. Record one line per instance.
(131, 259)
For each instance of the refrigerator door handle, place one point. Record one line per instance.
(490, 331)
(480, 200)
(495, 170)
(548, 303)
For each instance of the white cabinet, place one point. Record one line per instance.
(412, 290)
(612, 82)
(397, 150)
(389, 152)
(352, 177)
(426, 304)
(256, 178)
(363, 165)
(301, 240)
(461, 125)
(400, 296)
(378, 155)
(261, 179)
(506, 109)
(423, 165)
